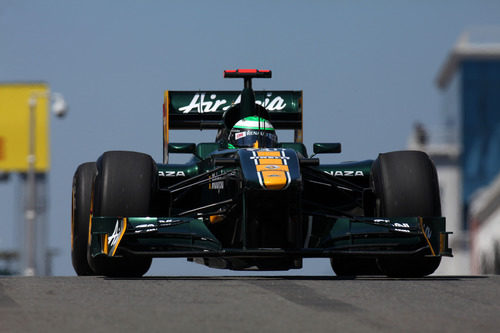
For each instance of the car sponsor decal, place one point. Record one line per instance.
(346, 173)
(162, 222)
(216, 182)
(113, 241)
(216, 185)
(169, 173)
(146, 227)
(154, 226)
(396, 226)
(201, 103)
(427, 234)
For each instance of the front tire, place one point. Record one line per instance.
(80, 217)
(406, 184)
(124, 186)
(349, 266)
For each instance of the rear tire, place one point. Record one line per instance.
(406, 184)
(125, 185)
(80, 217)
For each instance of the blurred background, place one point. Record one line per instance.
(377, 76)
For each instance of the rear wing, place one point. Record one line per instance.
(204, 109)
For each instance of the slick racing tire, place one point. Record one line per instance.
(405, 184)
(347, 266)
(125, 185)
(80, 216)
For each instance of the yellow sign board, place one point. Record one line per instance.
(15, 129)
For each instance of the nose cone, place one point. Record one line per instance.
(270, 169)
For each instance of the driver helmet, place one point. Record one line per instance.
(246, 132)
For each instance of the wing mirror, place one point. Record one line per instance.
(327, 148)
(182, 148)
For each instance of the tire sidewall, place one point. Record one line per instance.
(80, 212)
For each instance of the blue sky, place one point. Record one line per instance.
(367, 69)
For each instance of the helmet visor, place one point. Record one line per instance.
(247, 139)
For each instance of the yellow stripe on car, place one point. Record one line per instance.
(268, 153)
(268, 161)
(425, 235)
(122, 232)
(274, 180)
(272, 167)
(105, 244)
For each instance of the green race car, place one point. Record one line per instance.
(250, 202)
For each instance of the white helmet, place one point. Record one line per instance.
(252, 132)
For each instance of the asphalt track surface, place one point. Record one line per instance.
(250, 304)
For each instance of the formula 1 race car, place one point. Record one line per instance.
(250, 202)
